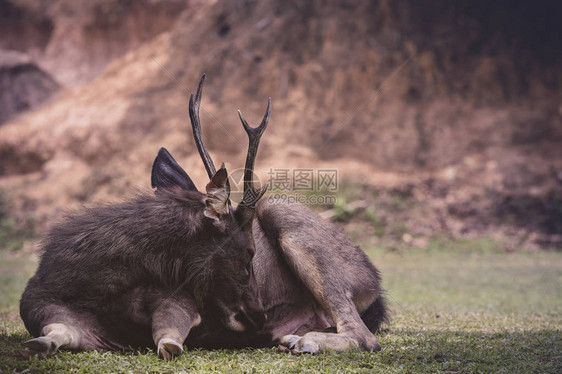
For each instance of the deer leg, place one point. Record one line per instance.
(351, 332)
(55, 327)
(53, 336)
(334, 292)
(171, 322)
(315, 342)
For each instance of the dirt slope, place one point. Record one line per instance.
(449, 99)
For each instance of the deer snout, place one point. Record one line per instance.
(253, 320)
(240, 319)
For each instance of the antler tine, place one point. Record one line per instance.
(196, 126)
(251, 196)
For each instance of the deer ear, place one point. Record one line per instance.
(218, 193)
(167, 173)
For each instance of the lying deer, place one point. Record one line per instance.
(184, 267)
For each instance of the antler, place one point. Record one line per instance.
(196, 125)
(251, 194)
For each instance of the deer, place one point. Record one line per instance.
(180, 268)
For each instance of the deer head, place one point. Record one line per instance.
(231, 293)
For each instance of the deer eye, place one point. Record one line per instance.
(248, 268)
(250, 252)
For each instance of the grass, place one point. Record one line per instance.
(454, 311)
(14, 232)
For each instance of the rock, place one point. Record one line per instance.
(23, 85)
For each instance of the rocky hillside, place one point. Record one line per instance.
(456, 103)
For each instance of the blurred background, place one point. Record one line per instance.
(443, 119)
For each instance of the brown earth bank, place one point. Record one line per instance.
(454, 107)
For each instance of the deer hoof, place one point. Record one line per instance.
(310, 348)
(289, 341)
(168, 349)
(41, 347)
(371, 344)
(306, 347)
(298, 345)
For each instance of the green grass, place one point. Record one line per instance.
(455, 311)
(14, 231)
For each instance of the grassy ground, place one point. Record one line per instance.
(452, 312)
